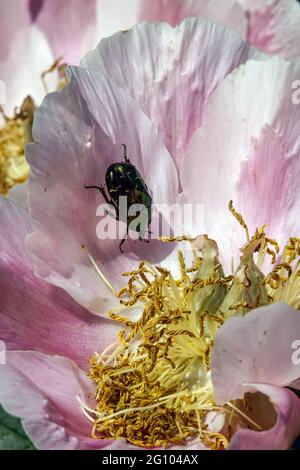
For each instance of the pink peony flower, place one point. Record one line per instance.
(199, 130)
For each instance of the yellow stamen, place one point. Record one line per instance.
(15, 133)
(154, 387)
(239, 218)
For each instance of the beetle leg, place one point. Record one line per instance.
(102, 191)
(123, 241)
(144, 240)
(125, 154)
(111, 214)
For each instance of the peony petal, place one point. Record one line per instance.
(19, 194)
(14, 17)
(34, 314)
(228, 13)
(42, 391)
(109, 19)
(258, 347)
(250, 153)
(181, 68)
(273, 25)
(286, 429)
(69, 25)
(77, 138)
(21, 45)
(173, 12)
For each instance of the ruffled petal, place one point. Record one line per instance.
(259, 347)
(283, 433)
(34, 314)
(181, 68)
(250, 153)
(42, 391)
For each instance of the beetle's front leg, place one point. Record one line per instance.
(111, 214)
(123, 240)
(143, 239)
(102, 191)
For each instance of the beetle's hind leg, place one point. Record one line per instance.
(125, 153)
(123, 241)
(102, 191)
(143, 239)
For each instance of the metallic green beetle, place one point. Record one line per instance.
(123, 179)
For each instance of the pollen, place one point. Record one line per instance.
(16, 132)
(153, 386)
(14, 135)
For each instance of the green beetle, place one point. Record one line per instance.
(123, 179)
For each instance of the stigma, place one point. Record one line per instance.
(153, 386)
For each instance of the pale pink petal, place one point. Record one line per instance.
(14, 17)
(258, 347)
(180, 69)
(248, 148)
(19, 194)
(69, 25)
(228, 13)
(274, 26)
(286, 429)
(109, 19)
(77, 138)
(34, 314)
(42, 391)
(28, 47)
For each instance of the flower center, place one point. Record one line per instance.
(15, 133)
(153, 387)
